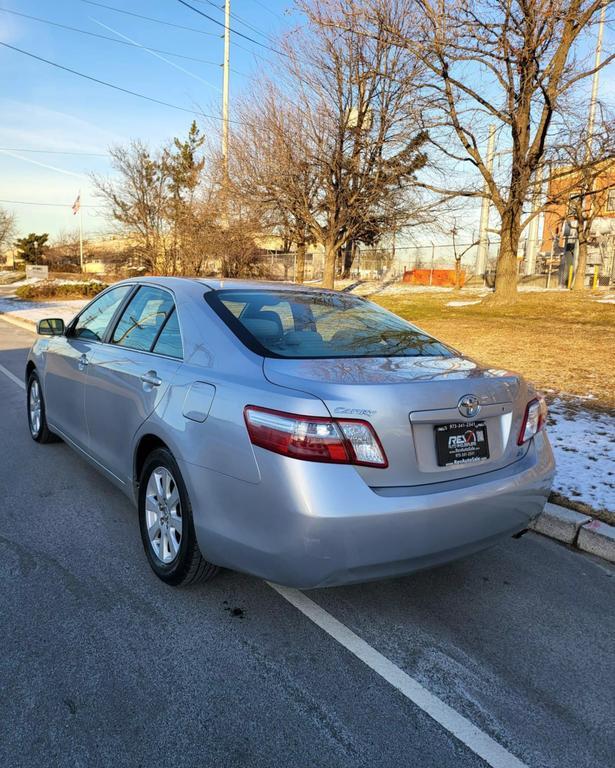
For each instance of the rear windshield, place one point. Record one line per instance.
(309, 324)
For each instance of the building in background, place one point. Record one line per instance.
(559, 247)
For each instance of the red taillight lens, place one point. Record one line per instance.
(533, 421)
(314, 438)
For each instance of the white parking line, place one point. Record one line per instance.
(473, 738)
(12, 377)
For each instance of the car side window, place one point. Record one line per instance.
(143, 318)
(93, 321)
(170, 341)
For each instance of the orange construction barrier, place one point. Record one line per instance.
(439, 277)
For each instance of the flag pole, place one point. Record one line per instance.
(80, 235)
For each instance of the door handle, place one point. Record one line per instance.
(83, 362)
(151, 378)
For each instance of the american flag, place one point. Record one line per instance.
(77, 205)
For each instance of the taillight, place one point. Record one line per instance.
(314, 438)
(533, 421)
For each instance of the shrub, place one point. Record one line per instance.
(49, 289)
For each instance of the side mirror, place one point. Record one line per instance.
(50, 326)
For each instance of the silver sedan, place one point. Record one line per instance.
(305, 436)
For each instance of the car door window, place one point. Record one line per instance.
(93, 321)
(170, 341)
(143, 318)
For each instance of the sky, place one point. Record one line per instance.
(53, 111)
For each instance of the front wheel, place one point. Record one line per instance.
(37, 417)
(165, 519)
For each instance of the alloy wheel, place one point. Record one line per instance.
(163, 516)
(34, 405)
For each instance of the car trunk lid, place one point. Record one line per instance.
(406, 399)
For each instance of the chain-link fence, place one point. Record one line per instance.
(426, 264)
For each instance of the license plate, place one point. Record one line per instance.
(461, 443)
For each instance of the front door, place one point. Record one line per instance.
(67, 362)
(129, 376)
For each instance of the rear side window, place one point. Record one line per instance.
(170, 341)
(93, 321)
(311, 324)
(143, 318)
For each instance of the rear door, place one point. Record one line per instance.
(67, 361)
(129, 376)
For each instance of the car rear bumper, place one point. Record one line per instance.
(311, 525)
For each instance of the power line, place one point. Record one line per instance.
(109, 85)
(120, 88)
(238, 19)
(51, 205)
(221, 24)
(157, 55)
(106, 37)
(54, 152)
(149, 18)
(262, 5)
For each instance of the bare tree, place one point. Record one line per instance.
(63, 253)
(7, 229)
(458, 255)
(270, 172)
(157, 199)
(344, 123)
(136, 200)
(511, 63)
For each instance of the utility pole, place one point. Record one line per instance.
(483, 237)
(225, 87)
(591, 120)
(594, 97)
(80, 235)
(532, 234)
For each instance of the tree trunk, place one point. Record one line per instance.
(300, 262)
(458, 274)
(579, 277)
(507, 269)
(349, 252)
(328, 276)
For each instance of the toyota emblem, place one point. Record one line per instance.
(469, 406)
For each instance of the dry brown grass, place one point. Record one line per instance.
(562, 342)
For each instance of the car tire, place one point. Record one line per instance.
(167, 527)
(37, 417)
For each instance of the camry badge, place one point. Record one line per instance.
(469, 406)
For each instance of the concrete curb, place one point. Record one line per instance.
(560, 523)
(580, 531)
(598, 538)
(20, 322)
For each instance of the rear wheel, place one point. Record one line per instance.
(167, 528)
(37, 419)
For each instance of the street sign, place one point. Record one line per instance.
(37, 270)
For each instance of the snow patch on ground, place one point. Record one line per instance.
(462, 303)
(38, 310)
(584, 445)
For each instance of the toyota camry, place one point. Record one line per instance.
(305, 436)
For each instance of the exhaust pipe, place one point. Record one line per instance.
(520, 534)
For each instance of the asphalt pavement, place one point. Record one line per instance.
(101, 664)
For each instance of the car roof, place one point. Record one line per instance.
(218, 284)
